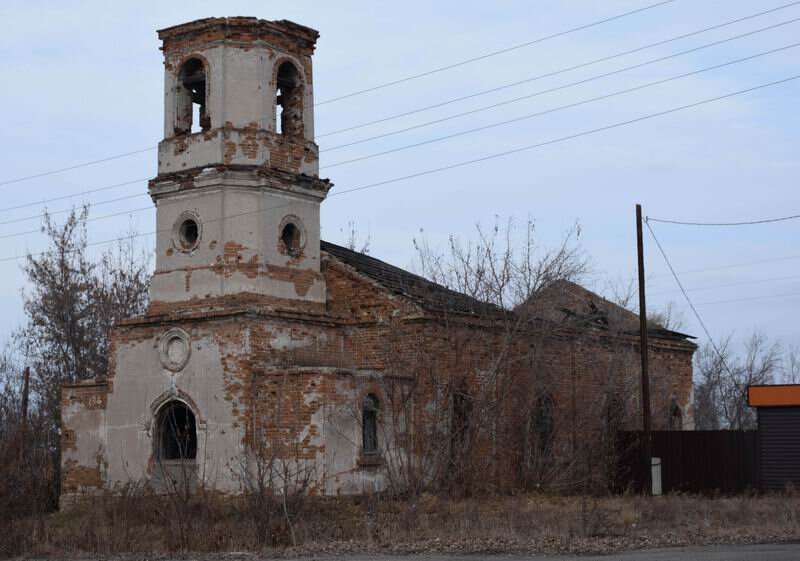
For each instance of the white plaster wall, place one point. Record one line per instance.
(241, 94)
(244, 86)
(250, 217)
(209, 149)
(140, 382)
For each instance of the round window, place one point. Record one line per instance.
(188, 231)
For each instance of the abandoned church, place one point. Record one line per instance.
(264, 345)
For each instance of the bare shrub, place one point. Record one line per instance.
(126, 521)
(275, 479)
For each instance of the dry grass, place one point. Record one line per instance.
(141, 523)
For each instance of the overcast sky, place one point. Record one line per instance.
(83, 81)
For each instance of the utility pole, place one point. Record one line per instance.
(647, 448)
(23, 433)
(26, 380)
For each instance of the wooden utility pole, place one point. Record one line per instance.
(647, 448)
(23, 427)
(26, 381)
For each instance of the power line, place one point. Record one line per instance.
(563, 107)
(559, 88)
(728, 285)
(76, 166)
(373, 88)
(596, 61)
(430, 141)
(560, 71)
(92, 219)
(688, 300)
(747, 223)
(491, 54)
(707, 269)
(491, 156)
(75, 194)
(749, 299)
(54, 212)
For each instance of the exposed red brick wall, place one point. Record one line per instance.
(304, 357)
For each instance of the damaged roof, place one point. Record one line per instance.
(565, 300)
(420, 290)
(559, 301)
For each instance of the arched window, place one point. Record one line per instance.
(289, 118)
(192, 115)
(176, 432)
(460, 419)
(369, 425)
(542, 424)
(675, 417)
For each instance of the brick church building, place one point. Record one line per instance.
(264, 343)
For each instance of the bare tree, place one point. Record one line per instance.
(353, 239)
(669, 317)
(455, 439)
(71, 301)
(791, 366)
(497, 270)
(722, 376)
(25, 488)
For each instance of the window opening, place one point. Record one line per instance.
(289, 102)
(369, 425)
(290, 236)
(675, 417)
(176, 437)
(189, 232)
(459, 422)
(192, 115)
(542, 425)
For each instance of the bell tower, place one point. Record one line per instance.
(237, 192)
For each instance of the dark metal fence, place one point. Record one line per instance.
(693, 461)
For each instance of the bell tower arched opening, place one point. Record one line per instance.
(192, 113)
(289, 102)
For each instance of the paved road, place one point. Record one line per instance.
(781, 552)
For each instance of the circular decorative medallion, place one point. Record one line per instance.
(174, 349)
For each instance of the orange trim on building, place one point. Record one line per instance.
(774, 396)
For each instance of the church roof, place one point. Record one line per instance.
(422, 291)
(564, 300)
(559, 301)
